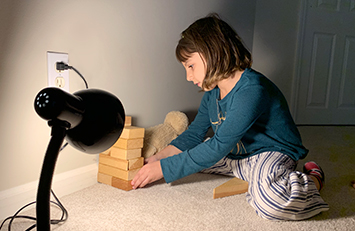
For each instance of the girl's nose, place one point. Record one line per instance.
(188, 76)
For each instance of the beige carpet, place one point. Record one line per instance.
(187, 204)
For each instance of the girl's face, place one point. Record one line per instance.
(195, 69)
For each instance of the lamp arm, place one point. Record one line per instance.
(45, 183)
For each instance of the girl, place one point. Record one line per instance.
(255, 137)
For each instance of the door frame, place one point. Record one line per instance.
(297, 65)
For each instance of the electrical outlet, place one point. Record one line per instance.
(57, 78)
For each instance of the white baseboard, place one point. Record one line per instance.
(11, 200)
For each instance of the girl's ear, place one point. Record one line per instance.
(203, 60)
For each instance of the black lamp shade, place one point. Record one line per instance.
(102, 123)
(54, 103)
(96, 117)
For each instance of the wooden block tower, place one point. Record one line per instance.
(119, 164)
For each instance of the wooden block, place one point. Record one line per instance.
(122, 164)
(125, 154)
(114, 182)
(231, 187)
(103, 178)
(132, 132)
(121, 184)
(107, 151)
(128, 121)
(116, 172)
(135, 163)
(129, 143)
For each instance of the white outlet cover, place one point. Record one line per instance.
(53, 74)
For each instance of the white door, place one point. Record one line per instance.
(326, 90)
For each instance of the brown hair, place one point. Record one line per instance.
(219, 44)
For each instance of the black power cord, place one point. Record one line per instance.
(57, 202)
(61, 66)
(63, 218)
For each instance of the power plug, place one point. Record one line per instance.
(57, 78)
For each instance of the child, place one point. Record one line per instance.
(255, 138)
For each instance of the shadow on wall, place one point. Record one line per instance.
(6, 29)
(191, 116)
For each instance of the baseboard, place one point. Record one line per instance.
(11, 200)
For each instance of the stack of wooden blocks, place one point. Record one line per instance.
(119, 164)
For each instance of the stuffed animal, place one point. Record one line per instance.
(158, 137)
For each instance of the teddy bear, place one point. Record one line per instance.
(158, 137)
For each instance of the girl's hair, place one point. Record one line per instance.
(220, 46)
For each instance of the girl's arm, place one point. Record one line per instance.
(152, 170)
(197, 130)
(247, 105)
(170, 150)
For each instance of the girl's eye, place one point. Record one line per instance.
(191, 66)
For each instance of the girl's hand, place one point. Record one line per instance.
(147, 174)
(166, 152)
(151, 159)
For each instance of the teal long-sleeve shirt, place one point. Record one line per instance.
(252, 118)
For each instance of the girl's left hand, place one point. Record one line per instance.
(147, 174)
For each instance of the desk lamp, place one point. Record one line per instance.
(91, 121)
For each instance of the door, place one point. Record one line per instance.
(326, 90)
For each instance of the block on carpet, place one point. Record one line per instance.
(103, 178)
(114, 182)
(231, 187)
(121, 184)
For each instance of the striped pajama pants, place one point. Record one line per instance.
(276, 191)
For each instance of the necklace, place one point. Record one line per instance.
(220, 116)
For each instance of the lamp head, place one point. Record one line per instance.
(96, 117)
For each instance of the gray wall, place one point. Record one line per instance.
(125, 47)
(276, 32)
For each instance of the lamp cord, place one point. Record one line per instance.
(64, 217)
(57, 202)
(86, 84)
(61, 66)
